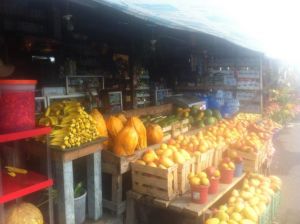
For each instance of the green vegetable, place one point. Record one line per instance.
(79, 190)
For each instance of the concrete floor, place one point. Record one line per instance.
(286, 164)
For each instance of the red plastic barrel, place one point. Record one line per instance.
(214, 186)
(226, 176)
(17, 105)
(199, 194)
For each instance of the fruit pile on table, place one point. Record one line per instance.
(72, 125)
(249, 204)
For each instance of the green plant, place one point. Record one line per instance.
(79, 190)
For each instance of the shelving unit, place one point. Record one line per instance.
(142, 88)
(160, 94)
(241, 77)
(77, 84)
(13, 188)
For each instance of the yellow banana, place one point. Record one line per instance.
(16, 170)
(12, 174)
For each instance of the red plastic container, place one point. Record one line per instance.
(199, 194)
(214, 186)
(17, 105)
(227, 176)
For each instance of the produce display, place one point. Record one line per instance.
(283, 106)
(114, 126)
(154, 134)
(126, 134)
(72, 125)
(164, 157)
(201, 118)
(126, 141)
(198, 179)
(247, 204)
(141, 131)
(25, 213)
(162, 121)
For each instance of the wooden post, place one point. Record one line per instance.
(64, 185)
(130, 210)
(94, 186)
(117, 188)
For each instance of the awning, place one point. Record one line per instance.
(265, 26)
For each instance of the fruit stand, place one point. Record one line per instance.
(182, 204)
(180, 159)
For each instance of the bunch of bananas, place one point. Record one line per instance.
(72, 125)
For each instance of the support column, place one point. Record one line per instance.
(64, 186)
(94, 185)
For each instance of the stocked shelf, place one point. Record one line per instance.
(249, 101)
(14, 136)
(143, 95)
(143, 88)
(22, 184)
(206, 87)
(245, 89)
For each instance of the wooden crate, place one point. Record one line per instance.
(204, 160)
(155, 182)
(167, 137)
(253, 161)
(183, 172)
(164, 109)
(185, 121)
(184, 129)
(176, 133)
(167, 128)
(218, 155)
(115, 169)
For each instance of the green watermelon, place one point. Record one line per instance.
(191, 120)
(210, 120)
(208, 113)
(194, 111)
(217, 114)
(200, 124)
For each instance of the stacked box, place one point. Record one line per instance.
(155, 182)
(183, 172)
(204, 160)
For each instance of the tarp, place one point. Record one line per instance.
(266, 26)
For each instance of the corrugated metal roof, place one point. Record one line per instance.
(265, 26)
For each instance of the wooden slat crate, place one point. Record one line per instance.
(183, 172)
(117, 167)
(155, 182)
(185, 121)
(176, 133)
(253, 161)
(184, 129)
(167, 128)
(204, 160)
(218, 155)
(154, 110)
(167, 137)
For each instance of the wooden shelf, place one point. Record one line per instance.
(22, 184)
(143, 88)
(249, 101)
(14, 136)
(77, 152)
(206, 87)
(184, 203)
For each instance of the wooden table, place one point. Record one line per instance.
(64, 180)
(182, 204)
